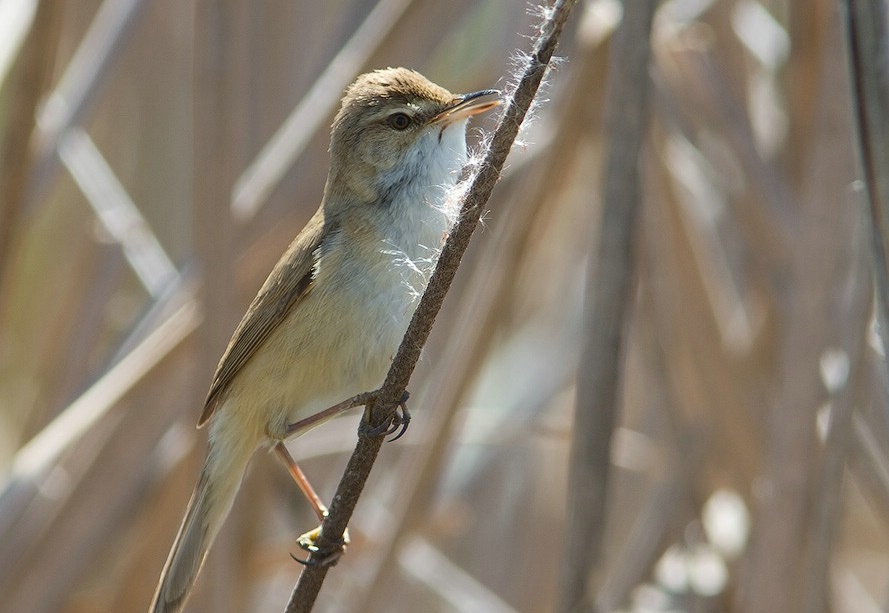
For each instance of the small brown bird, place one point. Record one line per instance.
(327, 321)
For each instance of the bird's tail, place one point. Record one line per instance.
(209, 506)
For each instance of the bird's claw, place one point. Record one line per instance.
(317, 557)
(399, 422)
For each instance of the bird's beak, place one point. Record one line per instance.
(468, 105)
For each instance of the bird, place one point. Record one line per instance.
(328, 319)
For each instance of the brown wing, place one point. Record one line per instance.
(288, 282)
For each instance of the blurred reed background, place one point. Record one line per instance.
(179, 146)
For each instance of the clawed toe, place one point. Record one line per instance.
(317, 557)
(399, 422)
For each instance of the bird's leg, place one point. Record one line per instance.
(345, 405)
(400, 419)
(300, 477)
(307, 541)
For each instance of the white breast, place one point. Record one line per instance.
(344, 334)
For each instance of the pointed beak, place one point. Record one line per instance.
(468, 105)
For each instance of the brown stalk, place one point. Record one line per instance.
(609, 290)
(866, 39)
(481, 187)
(535, 199)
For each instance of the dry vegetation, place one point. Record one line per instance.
(180, 145)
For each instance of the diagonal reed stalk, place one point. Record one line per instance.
(480, 187)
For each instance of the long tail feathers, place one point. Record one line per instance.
(209, 506)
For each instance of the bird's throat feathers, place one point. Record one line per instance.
(408, 207)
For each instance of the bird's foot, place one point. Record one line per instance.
(328, 556)
(398, 422)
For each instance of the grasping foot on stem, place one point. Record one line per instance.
(399, 420)
(308, 541)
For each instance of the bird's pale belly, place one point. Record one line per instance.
(322, 355)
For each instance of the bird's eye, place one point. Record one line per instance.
(399, 121)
